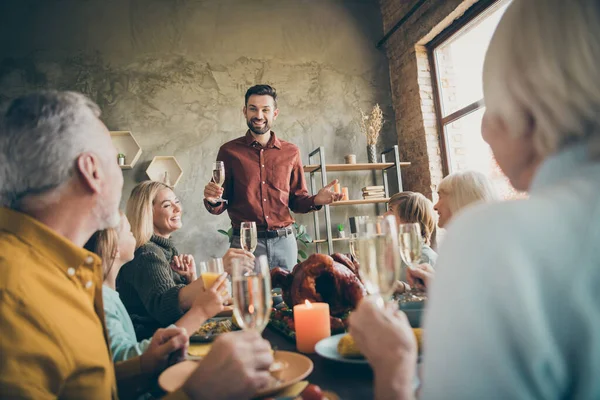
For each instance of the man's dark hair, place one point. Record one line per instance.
(262, 90)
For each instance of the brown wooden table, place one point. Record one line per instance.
(348, 381)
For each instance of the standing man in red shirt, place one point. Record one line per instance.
(264, 180)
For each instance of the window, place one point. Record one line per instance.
(456, 57)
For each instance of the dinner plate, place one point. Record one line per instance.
(299, 367)
(327, 348)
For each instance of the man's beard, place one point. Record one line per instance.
(259, 131)
(108, 217)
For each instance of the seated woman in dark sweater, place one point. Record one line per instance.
(159, 285)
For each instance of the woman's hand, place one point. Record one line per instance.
(168, 346)
(421, 276)
(209, 302)
(237, 255)
(185, 266)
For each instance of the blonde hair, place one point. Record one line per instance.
(541, 73)
(412, 207)
(466, 187)
(105, 244)
(139, 210)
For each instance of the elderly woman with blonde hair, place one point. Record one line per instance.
(460, 189)
(455, 192)
(514, 310)
(159, 285)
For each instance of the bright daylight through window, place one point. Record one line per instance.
(458, 65)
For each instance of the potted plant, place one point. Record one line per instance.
(341, 232)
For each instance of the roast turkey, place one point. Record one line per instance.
(322, 278)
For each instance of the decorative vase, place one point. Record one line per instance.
(372, 153)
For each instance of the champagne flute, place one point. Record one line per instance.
(352, 245)
(411, 250)
(252, 300)
(380, 262)
(248, 237)
(218, 176)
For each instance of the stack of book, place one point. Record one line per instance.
(373, 192)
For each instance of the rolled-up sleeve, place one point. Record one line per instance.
(300, 201)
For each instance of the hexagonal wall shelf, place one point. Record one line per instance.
(126, 144)
(165, 169)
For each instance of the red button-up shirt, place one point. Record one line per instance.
(262, 184)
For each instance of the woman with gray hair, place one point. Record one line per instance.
(509, 316)
(460, 189)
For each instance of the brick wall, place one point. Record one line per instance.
(412, 91)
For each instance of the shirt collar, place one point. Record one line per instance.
(273, 142)
(560, 166)
(54, 246)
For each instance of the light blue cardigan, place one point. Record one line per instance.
(123, 342)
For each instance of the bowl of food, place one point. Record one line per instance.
(277, 297)
(413, 310)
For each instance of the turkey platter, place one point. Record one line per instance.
(322, 278)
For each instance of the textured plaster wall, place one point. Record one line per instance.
(174, 73)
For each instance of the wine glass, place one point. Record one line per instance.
(248, 238)
(218, 176)
(411, 250)
(252, 300)
(352, 245)
(380, 262)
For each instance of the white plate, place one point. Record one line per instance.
(327, 348)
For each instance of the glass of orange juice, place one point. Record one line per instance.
(210, 271)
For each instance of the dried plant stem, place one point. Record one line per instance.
(371, 124)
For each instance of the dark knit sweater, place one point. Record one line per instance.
(149, 287)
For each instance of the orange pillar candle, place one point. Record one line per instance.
(345, 193)
(311, 321)
(337, 187)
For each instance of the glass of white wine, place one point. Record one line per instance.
(218, 176)
(411, 251)
(248, 237)
(252, 300)
(352, 245)
(380, 263)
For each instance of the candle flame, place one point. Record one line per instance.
(307, 303)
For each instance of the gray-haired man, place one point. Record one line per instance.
(59, 183)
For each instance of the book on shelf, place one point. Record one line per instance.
(370, 188)
(374, 196)
(374, 192)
